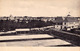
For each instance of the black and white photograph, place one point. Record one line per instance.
(40, 23)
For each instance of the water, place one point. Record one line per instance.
(38, 40)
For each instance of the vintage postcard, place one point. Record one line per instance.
(40, 23)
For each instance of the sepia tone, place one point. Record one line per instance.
(40, 23)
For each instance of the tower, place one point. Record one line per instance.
(68, 14)
(11, 17)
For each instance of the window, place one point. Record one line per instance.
(65, 23)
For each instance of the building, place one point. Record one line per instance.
(78, 19)
(66, 23)
(4, 18)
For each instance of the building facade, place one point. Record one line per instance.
(66, 23)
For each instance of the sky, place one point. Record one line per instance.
(50, 8)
